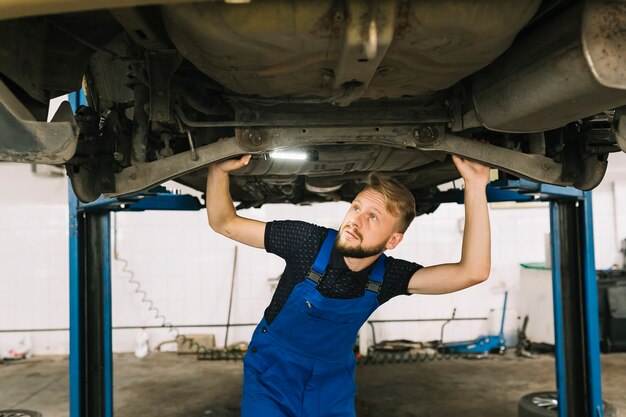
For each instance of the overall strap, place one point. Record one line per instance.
(323, 257)
(377, 274)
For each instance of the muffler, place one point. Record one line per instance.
(572, 67)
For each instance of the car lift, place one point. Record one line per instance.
(577, 344)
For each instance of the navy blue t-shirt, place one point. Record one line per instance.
(298, 244)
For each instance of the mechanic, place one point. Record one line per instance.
(300, 361)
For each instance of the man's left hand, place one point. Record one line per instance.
(472, 172)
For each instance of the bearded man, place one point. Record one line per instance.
(300, 360)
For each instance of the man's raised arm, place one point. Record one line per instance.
(476, 252)
(219, 206)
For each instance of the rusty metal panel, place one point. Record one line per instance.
(604, 41)
(315, 48)
(38, 142)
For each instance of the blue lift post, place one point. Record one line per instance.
(575, 296)
(575, 290)
(91, 379)
(91, 353)
(574, 284)
(91, 360)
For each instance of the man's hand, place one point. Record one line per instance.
(472, 172)
(232, 164)
(219, 206)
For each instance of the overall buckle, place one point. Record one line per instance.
(314, 276)
(373, 286)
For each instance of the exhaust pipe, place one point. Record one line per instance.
(570, 68)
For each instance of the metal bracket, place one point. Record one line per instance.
(571, 156)
(387, 112)
(368, 34)
(527, 166)
(142, 29)
(38, 142)
(620, 128)
(161, 67)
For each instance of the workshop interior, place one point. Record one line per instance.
(118, 298)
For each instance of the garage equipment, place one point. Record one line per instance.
(612, 309)
(445, 320)
(616, 332)
(577, 351)
(545, 404)
(480, 345)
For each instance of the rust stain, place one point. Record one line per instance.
(331, 24)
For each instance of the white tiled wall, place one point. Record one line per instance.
(518, 236)
(33, 258)
(186, 268)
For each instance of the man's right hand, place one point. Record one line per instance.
(232, 164)
(219, 206)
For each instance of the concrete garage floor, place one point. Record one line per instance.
(168, 385)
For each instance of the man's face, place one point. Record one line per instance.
(368, 228)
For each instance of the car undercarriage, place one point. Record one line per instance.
(535, 89)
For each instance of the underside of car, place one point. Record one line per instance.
(533, 88)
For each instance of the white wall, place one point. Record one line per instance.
(33, 258)
(609, 213)
(190, 269)
(186, 268)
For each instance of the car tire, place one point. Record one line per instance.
(538, 404)
(545, 404)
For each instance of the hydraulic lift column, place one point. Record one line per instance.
(577, 340)
(91, 361)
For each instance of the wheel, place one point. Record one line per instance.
(545, 404)
(538, 404)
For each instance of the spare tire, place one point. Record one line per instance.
(545, 404)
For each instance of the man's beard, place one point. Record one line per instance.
(358, 252)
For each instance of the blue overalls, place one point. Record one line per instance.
(303, 364)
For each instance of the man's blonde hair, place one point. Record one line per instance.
(399, 201)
